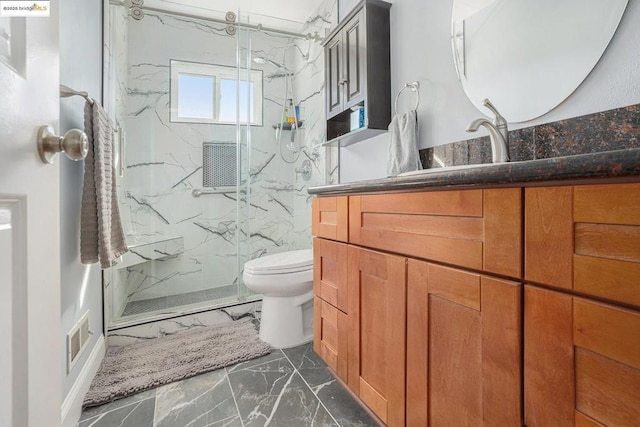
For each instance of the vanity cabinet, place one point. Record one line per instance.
(582, 340)
(463, 348)
(415, 324)
(357, 73)
(490, 306)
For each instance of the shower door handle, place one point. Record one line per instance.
(121, 141)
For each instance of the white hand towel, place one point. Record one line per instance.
(101, 234)
(403, 147)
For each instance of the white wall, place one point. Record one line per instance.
(80, 68)
(421, 50)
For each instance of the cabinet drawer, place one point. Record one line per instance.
(582, 361)
(330, 218)
(477, 229)
(330, 336)
(585, 239)
(330, 272)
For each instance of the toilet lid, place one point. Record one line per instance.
(285, 262)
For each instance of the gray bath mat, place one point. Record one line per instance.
(143, 365)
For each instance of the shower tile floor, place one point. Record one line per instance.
(288, 388)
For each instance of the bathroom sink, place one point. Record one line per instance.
(447, 169)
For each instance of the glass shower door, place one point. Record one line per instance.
(211, 170)
(185, 137)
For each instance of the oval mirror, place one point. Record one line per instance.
(527, 56)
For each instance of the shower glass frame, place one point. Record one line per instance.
(114, 277)
(269, 210)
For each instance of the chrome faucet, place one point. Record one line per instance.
(498, 133)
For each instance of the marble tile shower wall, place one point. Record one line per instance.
(309, 89)
(164, 159)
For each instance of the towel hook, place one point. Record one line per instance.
(414, 86)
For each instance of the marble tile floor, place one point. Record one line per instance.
(287, 388)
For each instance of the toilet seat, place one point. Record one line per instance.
(282, 263)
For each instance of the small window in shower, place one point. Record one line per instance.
(207, 93)
(228, 105)
(195, 96)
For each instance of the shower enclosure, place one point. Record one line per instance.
(210, 171)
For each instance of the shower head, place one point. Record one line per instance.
(263, 60)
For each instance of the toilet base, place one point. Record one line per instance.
(287, 321)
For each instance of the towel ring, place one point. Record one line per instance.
(414, 86)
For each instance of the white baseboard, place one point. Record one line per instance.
(72, 405)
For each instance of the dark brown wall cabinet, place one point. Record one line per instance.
(357, 74)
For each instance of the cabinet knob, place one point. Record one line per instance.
(343, 82)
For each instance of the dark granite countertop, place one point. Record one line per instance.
(619, 165)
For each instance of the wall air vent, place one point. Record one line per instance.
(219, 164)
(77, 340)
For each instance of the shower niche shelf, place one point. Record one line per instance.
(287, 126)
(358, 74)
(143, 251)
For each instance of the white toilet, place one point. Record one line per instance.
(286, 282)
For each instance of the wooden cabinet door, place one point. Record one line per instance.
(330, 336)
(345, 67)
(463, 348)
(334, 57)
(330, 217)
(581, 361)
(354, 60)
(377, 309)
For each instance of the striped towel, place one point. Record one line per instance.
(101, 234)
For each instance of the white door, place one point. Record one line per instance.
(30, 350)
